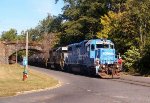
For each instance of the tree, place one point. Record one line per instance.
(34, 35)
(109, 22)
(132, 28)
(140, 15)
(81, 19)
(49, 25)
(10, 35)
(132, 58)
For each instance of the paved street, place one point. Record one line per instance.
(81, 89)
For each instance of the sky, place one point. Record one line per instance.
(26, 14)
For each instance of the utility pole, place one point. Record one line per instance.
(27, 41)
(25, 61)
(17, 49)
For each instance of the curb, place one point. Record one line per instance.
(39, 90)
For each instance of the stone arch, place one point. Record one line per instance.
(7, 49)
(12, 58)
(13, 48)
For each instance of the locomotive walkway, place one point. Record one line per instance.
(9, 48)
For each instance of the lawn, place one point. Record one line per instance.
(11, 80)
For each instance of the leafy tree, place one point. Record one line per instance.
(140, 16)
(81, 19)
(109, 22)
(47, 26)
(145, 62)
(34, 35)
(129, 28)
(132, 58)
(10, 35)
(50, 24)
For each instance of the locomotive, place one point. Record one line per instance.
(57, 58)
(92, 57)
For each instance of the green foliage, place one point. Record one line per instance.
(34, 35)
(81, 19)
(145, 62)
(132, 58)
(47, 26)
(129, 28)
(10, 35)
(109, 22)
(139, 14)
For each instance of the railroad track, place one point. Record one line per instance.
(134, 82)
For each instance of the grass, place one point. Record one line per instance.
(11, 80)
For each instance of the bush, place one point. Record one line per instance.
(132, 58)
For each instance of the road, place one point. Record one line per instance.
(81, 89)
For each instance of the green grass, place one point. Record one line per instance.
(11, 80)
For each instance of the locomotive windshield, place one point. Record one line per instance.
(102, 45)
(112, 46)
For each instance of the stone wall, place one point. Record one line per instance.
(3, 52)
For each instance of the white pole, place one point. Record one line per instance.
(27, 49)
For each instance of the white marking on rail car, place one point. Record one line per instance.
(108, 53)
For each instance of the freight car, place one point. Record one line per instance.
(92, 57)
(37, 60)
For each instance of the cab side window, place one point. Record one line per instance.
(92, 47)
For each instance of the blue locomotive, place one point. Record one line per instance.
(93, 57)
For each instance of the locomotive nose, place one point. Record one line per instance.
(107, 56)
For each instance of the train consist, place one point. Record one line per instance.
(92, 57)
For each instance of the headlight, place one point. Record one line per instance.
(103, 66)
(97, 61)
